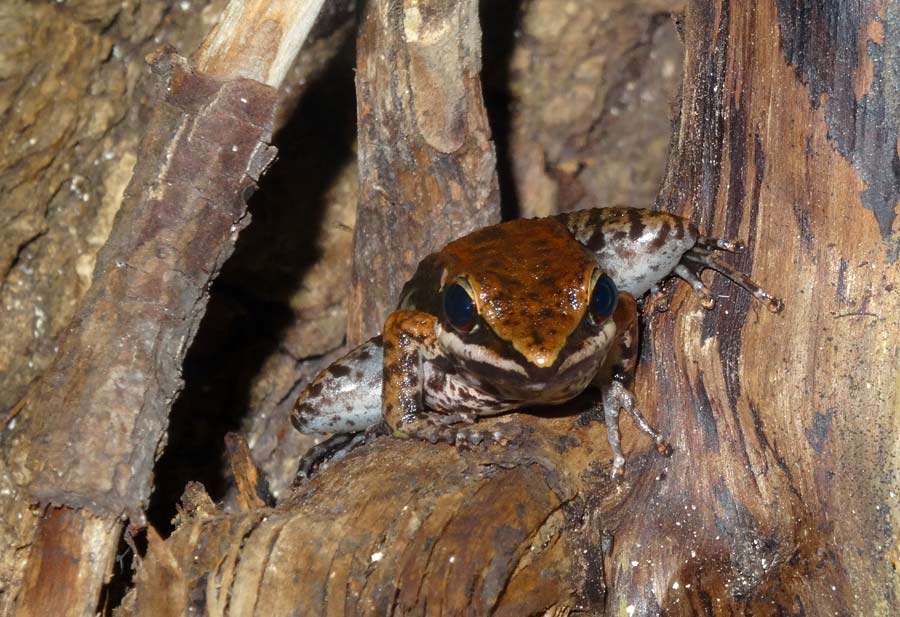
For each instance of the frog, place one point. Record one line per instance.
(521, 314)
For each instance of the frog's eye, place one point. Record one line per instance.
(603, 299)
(459, 307)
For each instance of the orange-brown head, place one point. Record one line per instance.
(530, 280)
(522, 307)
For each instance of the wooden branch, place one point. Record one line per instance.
(91, 430)
(407, 527)
(427, 169)
(257, 40)
(100, 413)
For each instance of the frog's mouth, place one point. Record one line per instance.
(496, 367)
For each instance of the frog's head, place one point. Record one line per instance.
(524, 307)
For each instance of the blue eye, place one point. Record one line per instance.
(603, 299)
(459, 308)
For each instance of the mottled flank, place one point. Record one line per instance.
(637, 248)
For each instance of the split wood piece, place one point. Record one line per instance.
(427, 168)
(100, 413)
(252, 488)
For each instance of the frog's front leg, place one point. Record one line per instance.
(616, 379)
(410, 338)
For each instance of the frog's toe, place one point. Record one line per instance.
(658, 301)
(703, 292)
(506, 436)
(434, 430)
(332, 449)
(721, 244)
(427, 429)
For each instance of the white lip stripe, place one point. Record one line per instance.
(594, 346)
(456, 346)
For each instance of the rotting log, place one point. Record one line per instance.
(404, 527)
(89, 432)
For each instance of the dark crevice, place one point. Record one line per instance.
(113, 591)
(500, 23)
(19, 253)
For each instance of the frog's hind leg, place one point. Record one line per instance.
(700, 256)
(344, 399)
(346, 396)
(333, 449)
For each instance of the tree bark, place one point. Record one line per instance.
(425, 153)
(784, 426)
(89, 433)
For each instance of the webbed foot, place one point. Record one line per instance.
(701, 256)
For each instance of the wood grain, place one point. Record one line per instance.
(425, 153)
(91, 429)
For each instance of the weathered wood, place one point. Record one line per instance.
(778, 496)
(257, 40)
(252, 488)
(425, 154)
(98, 417)
(504, 531)
(90, 431)
(67, 537)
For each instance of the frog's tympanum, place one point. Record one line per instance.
(520, 314)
